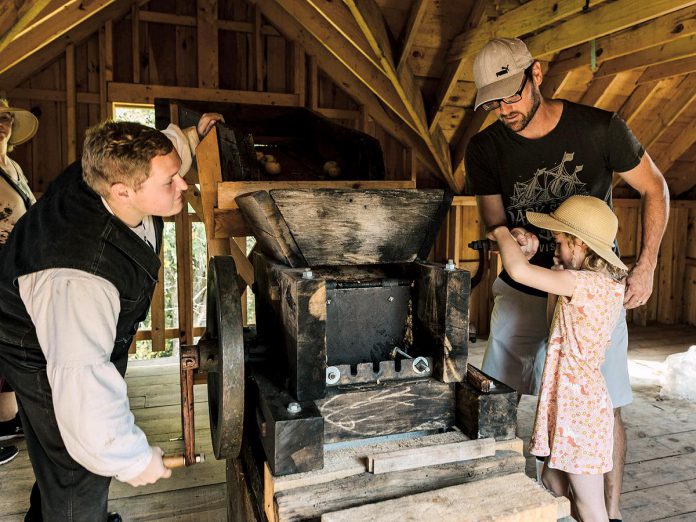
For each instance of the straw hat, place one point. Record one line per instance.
(588, 218)
(25, 123)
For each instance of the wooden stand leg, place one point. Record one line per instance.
(239, 503)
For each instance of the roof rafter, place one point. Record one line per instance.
(370, 20)
(669, 155)
(666, 28)
(525, 19)
(48, 29)
(659, 54)
(343, 76)
(415, 18)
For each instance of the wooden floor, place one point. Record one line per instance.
(660, 477)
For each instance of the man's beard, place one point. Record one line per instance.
(526, 118)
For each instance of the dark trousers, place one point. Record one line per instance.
(64, 490)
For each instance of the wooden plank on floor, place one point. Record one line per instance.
(509, 498)
(193, 503)
(430, 456)
(302, 502)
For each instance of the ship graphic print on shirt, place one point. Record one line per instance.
(544, 192)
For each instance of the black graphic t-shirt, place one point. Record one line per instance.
(579, 156)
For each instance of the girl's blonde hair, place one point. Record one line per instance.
(594, 262)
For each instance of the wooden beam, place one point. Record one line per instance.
(608, 18)
(682, 48)
(135, 45)
(596, 90)
(523, 20)
(668, 113)
(137, 93)
(670, 154)
(257, 50)
(336, 43)
(673, 26)
(23, 20)
(156, 17)
(342, 75)
(415, 17)
(51, 95)
(46, 30)
(28, 66)
(680, 178)
(70, 104)
(106, 67)
(371, 22)
(637, 101)
(207, 38)
(667, 70)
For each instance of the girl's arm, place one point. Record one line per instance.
(517, 266)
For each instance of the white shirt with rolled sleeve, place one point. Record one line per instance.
(75, 315)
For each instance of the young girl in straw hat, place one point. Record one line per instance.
(574, 420)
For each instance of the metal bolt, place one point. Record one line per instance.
(390, 299)
(420, 365)
(294, 407)
(307, 274)
(450, 265)
(328, 301)
(333, 375)
(399, 351)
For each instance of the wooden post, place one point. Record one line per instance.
(106, 67)
(135, 31)
(207, 38)
(70, 103)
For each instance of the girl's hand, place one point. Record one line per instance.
(501, 229)
(529, 243)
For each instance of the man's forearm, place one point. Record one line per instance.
(654, 218)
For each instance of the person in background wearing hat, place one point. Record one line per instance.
(538, 153)
(574, 420)
(76, 277)
(17, 126)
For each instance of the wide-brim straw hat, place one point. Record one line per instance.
(588, 218)
(24, 126)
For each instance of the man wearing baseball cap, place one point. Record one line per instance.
(540, 152)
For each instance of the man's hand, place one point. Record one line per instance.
(639, 285)
(529, 243)
(154, 471)
(206, 123)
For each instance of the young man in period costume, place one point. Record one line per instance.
(76, 278)
(540, 152)
(17, 126)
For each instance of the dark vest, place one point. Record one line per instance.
(69, 227)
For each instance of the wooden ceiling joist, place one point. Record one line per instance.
(44, 31)
(665, 158)
(604, 19)
(668, 113)
(19, 21)
(415, 18)
(369, 19)
(525, 19)
(341, 74)
(682, 48)
(667, 70)
(36, 61)
(661, 30)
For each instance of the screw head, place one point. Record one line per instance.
(307, 274)
(294, 407)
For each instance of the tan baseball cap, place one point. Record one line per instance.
(499, 69)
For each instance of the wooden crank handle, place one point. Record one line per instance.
(178, 461)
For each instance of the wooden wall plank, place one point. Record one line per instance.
(207, 39)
